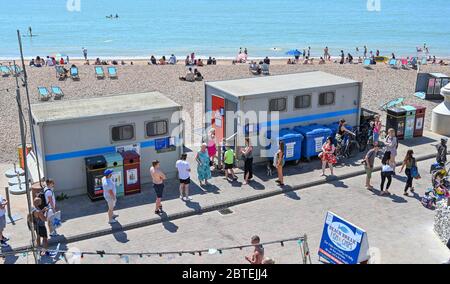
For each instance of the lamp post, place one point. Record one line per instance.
(23, 142)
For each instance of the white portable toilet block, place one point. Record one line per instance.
(440, 119)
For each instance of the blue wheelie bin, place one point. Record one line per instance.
(314, 137)
(292, 144)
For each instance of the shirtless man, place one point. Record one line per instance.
(258, 253)
(158, 178)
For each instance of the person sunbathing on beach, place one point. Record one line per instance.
(306, 61)
(152, 61)
(321, 60)
(198, 75)
(162, 61)
(87, 62)
(97, 61)
(172, 60)
(199, 63)
(190, 77)
(187, 61)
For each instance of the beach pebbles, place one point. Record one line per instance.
(442, 220)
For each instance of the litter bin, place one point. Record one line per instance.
(292, 144)
(114, 161)
(410, 117)
(95, 166)
(131, 172)
(314, 137)
(396, 119)
(419, 121)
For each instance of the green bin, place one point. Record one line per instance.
(410, 118)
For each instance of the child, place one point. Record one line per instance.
(229, 162)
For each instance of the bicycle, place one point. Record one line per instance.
(347, 147)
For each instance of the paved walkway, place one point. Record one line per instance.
(399, 228)
(83, 219)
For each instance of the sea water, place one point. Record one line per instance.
(219, 28)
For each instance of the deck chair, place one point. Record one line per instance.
(424, 61)
(60, 73)
(366, 63)
(44, 95)
(5, 71)
(112, 72)
(74, 73)
(57, 92)
(393, 63)
(265, 69)
(99, 72)
(16, 70)
(404, 63)
(392, 103)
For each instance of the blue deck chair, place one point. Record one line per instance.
(99, 72)
(44, 95)
(5, 71)
(393, 63)
(74, 73)
(57, 92)
(424, 61)
(60, 72)
(392, 103)
(112, 72)
(265, 69)
(366, 63)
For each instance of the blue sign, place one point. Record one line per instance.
(161, 143)
(342, 242)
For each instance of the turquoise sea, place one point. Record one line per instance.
(219, 27)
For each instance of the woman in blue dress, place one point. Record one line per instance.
(203, 168)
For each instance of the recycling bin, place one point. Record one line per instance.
(95, 166)
(292, 144)
(131, 172)
(396, 119)
(314, 137)
(114, 161)
(419, 121)
(410, 117)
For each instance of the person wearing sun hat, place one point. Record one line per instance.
(109, 193)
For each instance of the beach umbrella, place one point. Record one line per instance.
(58, 56)
(293, 52)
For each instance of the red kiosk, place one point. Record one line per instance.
(131, 172)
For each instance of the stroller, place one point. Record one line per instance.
(429, 199)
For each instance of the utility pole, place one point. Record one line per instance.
(24, 147)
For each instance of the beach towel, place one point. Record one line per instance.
(420, 95)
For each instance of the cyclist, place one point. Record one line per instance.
(341, 133)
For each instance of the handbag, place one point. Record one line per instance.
(415, 171)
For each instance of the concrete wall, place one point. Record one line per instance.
(90, 134)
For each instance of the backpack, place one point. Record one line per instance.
(41, 195)
(275, 160)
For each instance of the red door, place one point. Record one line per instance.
(218, 117)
